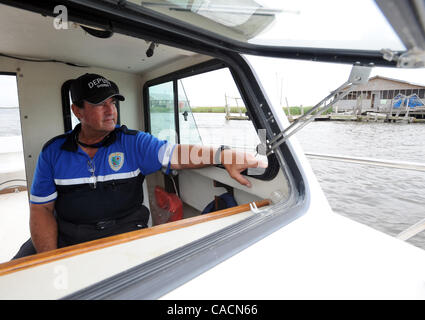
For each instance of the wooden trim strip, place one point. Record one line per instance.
(66, 252)
(13, 189)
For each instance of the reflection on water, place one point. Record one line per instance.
(386, 199)
(394, 141)
(389, 200)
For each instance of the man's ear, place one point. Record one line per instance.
(76, 110)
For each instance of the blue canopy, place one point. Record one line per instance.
(414, 101)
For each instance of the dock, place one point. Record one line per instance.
(370, 117)
(239, 107)
(234, 117)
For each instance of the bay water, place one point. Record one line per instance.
(386, 199)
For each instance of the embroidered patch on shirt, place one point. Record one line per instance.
(116, 160)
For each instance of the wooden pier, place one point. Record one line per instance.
(370, 117)
(230, 117)
(227, 109)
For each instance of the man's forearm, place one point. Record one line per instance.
(44, 228)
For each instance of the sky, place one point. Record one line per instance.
(327, 23)
(285, 81)
(355, 24)
(307, 83)
(341, 23)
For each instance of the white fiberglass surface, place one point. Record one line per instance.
(329, 24)
(304, 23)
(341, 259)
(65, 276)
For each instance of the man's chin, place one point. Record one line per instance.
(109, 125)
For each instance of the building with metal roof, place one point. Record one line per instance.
(385, 95)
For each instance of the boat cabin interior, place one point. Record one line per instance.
(160, 83)
(176, 64)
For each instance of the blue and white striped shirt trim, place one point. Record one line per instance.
(35, 199)
(165, 153)
(114, 176)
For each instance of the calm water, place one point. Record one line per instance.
(10, 125)
(389, 200)
(386, 199)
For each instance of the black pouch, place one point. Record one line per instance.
(70, 233)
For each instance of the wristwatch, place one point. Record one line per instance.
(217, 156)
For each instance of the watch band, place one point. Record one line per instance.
(217, 156)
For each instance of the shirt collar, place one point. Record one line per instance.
(71, 144)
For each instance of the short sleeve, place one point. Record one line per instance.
(43, 187)
(154, 154)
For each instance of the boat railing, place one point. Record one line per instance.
(410, 231)
(370, 161)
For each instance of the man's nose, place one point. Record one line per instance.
(109, 106)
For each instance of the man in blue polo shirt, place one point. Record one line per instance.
(88, 182)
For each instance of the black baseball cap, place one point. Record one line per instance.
(94, 89)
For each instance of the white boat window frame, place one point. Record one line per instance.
(218, 246)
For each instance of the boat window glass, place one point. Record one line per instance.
(74, 119)
(296, 23)
(209, 111)
(161, 111)
(13, 184)
(189, 131)
(215, 112)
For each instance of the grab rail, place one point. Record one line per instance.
(410, 231)
(370, 161)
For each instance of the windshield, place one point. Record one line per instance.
(301, 23)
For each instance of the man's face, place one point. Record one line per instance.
(99, 117)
